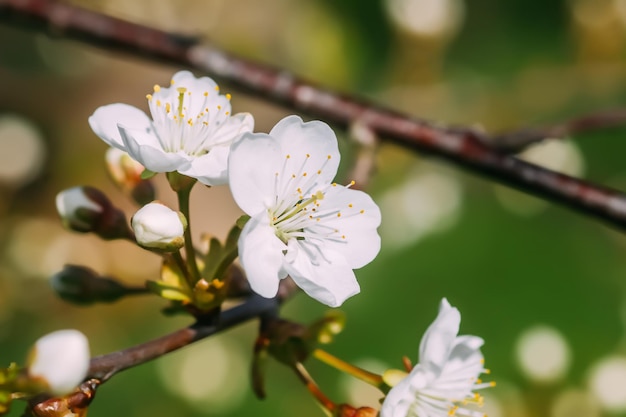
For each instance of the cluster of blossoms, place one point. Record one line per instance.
(302, 224)
(299, 223)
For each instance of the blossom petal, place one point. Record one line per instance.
(360, 217)
(439, 338)
(143, 147)
(330, 281)
(261, 255)
(236, 125)
(210, 169)
(252, 171)
(105, 119)
(398, 401)
(315, 139)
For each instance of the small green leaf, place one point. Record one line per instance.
(241, 222)
(212, 259)
(168, 292)
(233, 237)
(147, 174)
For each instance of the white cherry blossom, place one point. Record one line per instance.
(191, 129)
(302, 224)
(444, 380)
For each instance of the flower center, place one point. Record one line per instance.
(302, 208)
(185, 121)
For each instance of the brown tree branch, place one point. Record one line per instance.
(465, 147)
(104, 367)
(516, 141)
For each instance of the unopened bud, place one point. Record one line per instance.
(156, 226)
(86, 209)
(60, 361)
(81, 285)
(126, 173)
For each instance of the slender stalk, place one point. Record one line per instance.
(190, 251)
(328, 405)
(343, 366)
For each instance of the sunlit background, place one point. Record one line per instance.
(545, 288)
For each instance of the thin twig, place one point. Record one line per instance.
(465, 147)
(516, 141)
(105, 366)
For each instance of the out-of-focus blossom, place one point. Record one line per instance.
(86, 209)
(60, 360)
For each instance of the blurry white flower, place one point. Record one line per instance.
(301, 224)
(86, 209)
(61, 360)
(190, 132)
(157, 226)
(126, 174)
(443, 381)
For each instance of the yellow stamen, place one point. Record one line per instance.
(181, 98)
(157, 88)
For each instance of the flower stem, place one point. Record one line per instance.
(339, 364)
(190, 252)
(328, 405)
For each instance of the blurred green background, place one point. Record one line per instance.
(545, 288)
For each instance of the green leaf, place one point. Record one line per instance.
(212, 259)
(167, 291)
(147, 174)
(241, 222)
(233, 237)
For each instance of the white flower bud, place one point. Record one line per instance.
(77, 210)
(61, 360)
(159, 227)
